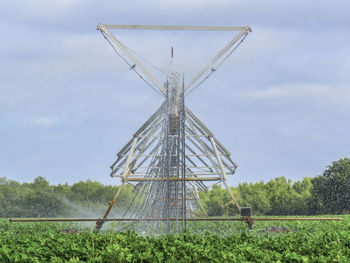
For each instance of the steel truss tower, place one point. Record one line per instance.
(173, 155)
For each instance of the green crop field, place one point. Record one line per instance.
(274, 241)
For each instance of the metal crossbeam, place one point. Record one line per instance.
(191, 28)
(204, 179)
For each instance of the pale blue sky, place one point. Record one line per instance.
(280, 104)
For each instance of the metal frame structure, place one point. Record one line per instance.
(173, 151)
(173, 154)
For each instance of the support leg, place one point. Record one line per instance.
(249, 221)
(223, 174)
(232, 196)
(100, 222)
(125, 175)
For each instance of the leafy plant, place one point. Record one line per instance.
(315, 241)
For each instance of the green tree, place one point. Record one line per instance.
(302, 196)
(44, 203)
(255, 196)
(217, 201)
(40, 183)
(331, 190)
(283, 198)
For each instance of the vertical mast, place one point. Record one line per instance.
(175, 183)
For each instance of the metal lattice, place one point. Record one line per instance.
(173, 155)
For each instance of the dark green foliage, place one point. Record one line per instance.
(277, 197)
(331, 190)
(305, 242)
(40, 199)
(327, 193)
(255, 196)
(217, 201)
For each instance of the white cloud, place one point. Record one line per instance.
(45, 9)
(290, 91)
(190, 5)
(45, 121)
(336, 95)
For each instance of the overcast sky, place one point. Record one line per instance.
(280, 103)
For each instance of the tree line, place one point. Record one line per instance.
(328, 193)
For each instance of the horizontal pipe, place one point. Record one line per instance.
(119, 219)
(137, 179)
(192, 28)
(165, 219)
(295, 219)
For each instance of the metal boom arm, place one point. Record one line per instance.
(222, 52)
(103, 29)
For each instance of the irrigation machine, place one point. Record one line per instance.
(173, 156)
